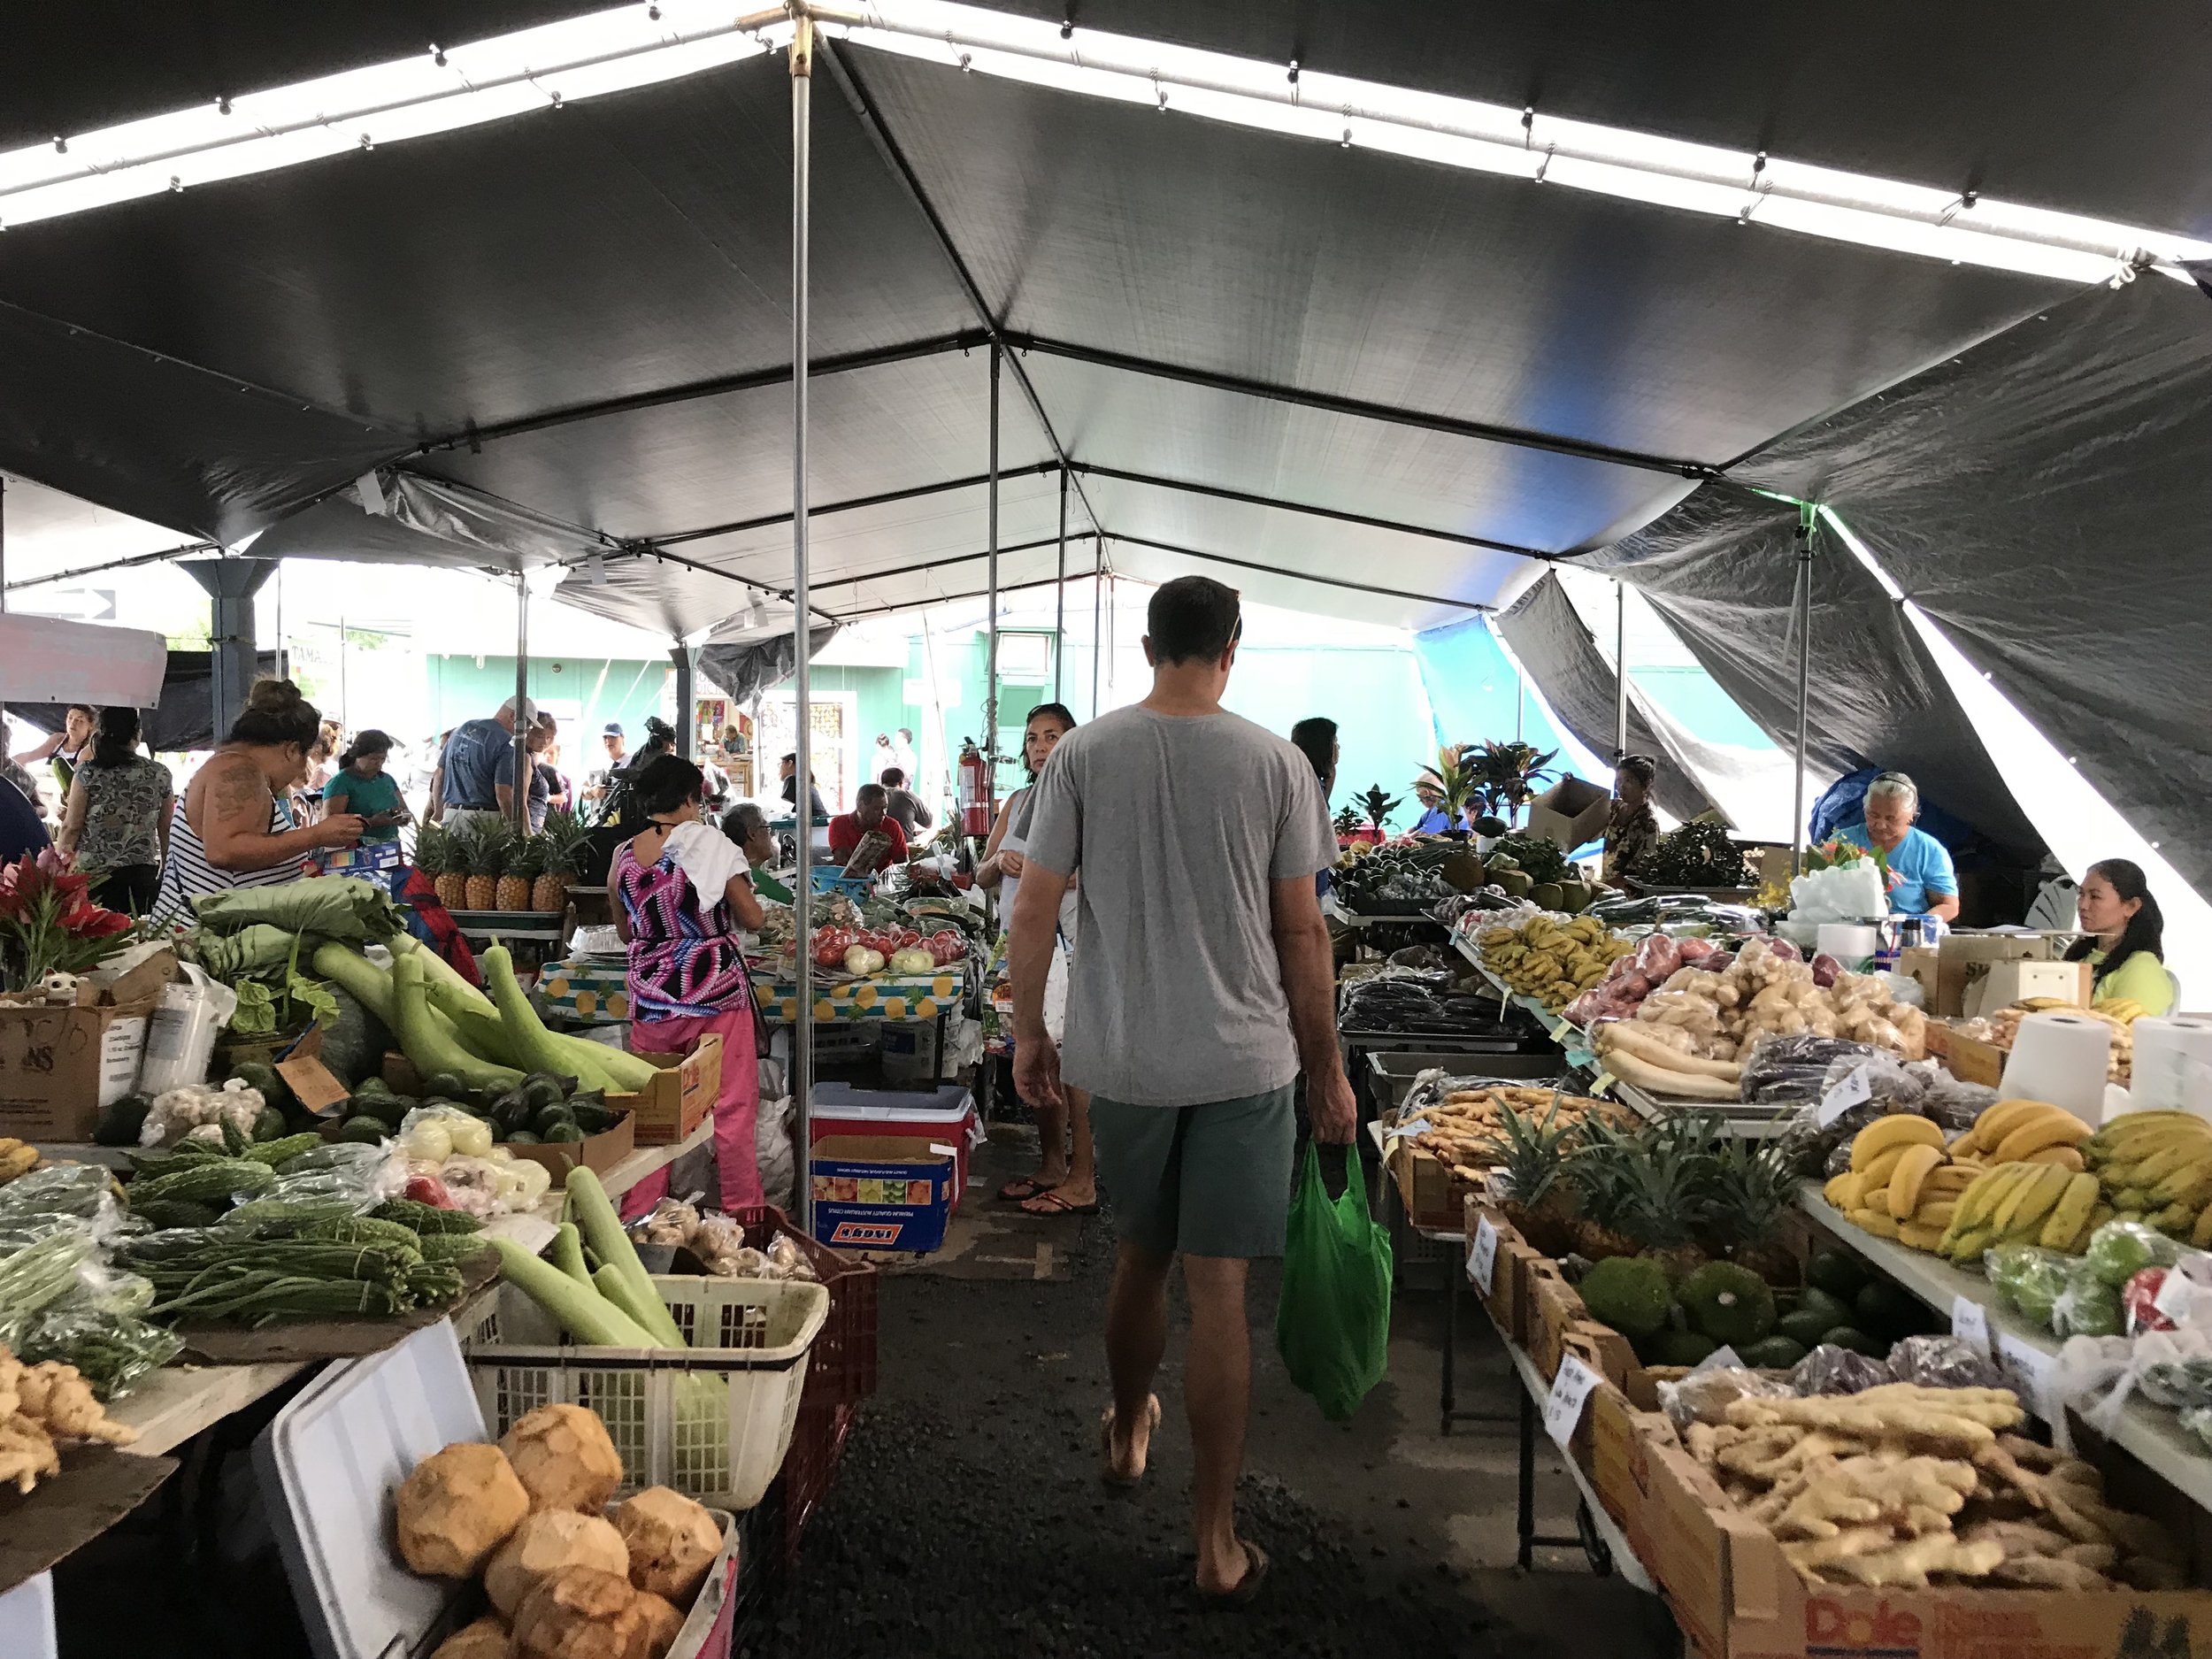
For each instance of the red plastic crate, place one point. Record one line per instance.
(842, 1367)
(810, 1468)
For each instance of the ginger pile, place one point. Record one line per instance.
(42, 1404)
(1718, 1016)
(1467, 1124)
(1902, 1485)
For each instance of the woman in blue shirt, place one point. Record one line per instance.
(361, 785)
(1921, 880)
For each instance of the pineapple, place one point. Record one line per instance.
(564, 845)
(442, 854)
(1649, 1192)
(487, 856)
(526, 857)
(1753, 1187)
(1530, 1157)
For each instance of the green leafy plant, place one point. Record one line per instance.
(291, 1001)
(1506, 775)
(1349, 822)
(1453, 779)
(1378, 807)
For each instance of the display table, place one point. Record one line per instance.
(910, 997)
(169, 1407)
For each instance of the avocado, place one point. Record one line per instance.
(274, 1090)
(592, 1118)
(1628, 1292)
(550, 1117)
(520, 1138)
(1728, 1304)
(1545, 896)
(1773, 1353)
(542, 1089)
(371, 1085)
(1681, 1347)
(120, 1122)
(444, 1085)
(364, 1128)
(1839, 1272)
(388, 1108)
(564, 1130)
(1807, 1323)
(1855, 1339)
(513, 1108)
(269, 1125)
(1884, 1309)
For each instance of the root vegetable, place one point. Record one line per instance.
(1622, 1036)
(542, 1545)
(458, 1506)
(486, 1639)
(1662, 1080)
(672, 1542)
(663, 1623)
(581, 1613)
(563, 1458)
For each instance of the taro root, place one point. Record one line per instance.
(672, 1542)
(457, 1507)
(662, 1623)
(581, 1613)
(546, 1542)
(563, 1458)
(486, 1639)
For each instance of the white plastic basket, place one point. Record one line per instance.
(650, 1397)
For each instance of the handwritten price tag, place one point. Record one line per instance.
(1418, 1126)
(1482, 1260)
(2034, 1378)
(1969, 1323)
(1853, 1091)
(1569, 1391)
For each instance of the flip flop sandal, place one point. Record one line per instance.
(1125, 1483)
(1050, 1202)
(1020, 1192)
(1248, 1587)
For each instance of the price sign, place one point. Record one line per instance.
(1569, 1390)
(2034, 1378)
(1482, 1259)
(1853, 1091)
(1418, 1126)
(1722, 1358)
(1969, 1323)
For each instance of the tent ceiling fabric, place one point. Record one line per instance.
(1170, 429)
(2043, 499)
(1410, 285)
(426, 521)
(1550, 642)
(1721, 568)
(2097, 113)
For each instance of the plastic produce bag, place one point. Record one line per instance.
(2118, 1250)
(1333, 1323)
(2029, 1280)
(361, 1174)
(2088, 1306)
(1706, 1394)
(113, 1350)
(1942, 1362)
(1830, 1370)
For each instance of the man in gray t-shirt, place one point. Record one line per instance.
(1202, 985)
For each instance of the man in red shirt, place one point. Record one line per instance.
(869, 812)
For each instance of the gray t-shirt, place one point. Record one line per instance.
(1177, 825)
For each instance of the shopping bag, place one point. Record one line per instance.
(1332, 1325)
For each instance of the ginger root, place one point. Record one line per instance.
(1907, 1565)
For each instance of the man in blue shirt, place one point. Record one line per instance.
(475, 781)
(1922, 882)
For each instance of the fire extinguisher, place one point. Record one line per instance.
(975, 790)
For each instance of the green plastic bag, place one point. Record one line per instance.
(1333, 1325)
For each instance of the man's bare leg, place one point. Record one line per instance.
(1136, 1337)
(1217, 1394)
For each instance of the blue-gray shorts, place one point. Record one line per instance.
(1213, 1179)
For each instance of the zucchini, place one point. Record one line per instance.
(433, 1049)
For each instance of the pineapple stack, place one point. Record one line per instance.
(561, 846)
(487, 863)
(524, 863)
(442, 857)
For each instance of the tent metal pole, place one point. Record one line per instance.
(1620, 670)
(520, 806)
(990, 694)
(4, 547)
(1804, 681)
(803, 778)
(1060, 592)
(1098, 590)
(687, 726)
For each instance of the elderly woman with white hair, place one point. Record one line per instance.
(1921, 880)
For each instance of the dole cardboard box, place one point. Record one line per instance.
(1569, 813)
(882, 1192)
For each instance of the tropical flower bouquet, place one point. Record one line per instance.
(50, 931)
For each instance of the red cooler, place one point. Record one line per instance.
(944, 1116)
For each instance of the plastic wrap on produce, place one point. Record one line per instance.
(1942, 1362)
(1830, 1369)
(1920, 1087)
(1705, 1395)
(84, 1192)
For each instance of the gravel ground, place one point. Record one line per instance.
(968, 1517)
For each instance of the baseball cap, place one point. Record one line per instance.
(521, 708)
(613, 728)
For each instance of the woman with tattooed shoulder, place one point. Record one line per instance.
(230, 828)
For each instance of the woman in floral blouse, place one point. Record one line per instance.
(1632, 830)
(117, 819)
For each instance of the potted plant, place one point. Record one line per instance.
(1350, 827)
(1506, 776)
(1378, 807)
(1453, 781)
(50, 931)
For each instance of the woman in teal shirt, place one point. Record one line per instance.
(2125, 949)
(361, 785)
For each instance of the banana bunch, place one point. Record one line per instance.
(1552, 961)
(2156, 1167)
(2124, 1011)
(2034, 1186)
(1900, 1184)
(2023, 1130)
(17, 1158)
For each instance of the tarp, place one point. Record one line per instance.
(2044, 499)
(1722, 569)
(426, 521)
(184, 717)
(745, 659)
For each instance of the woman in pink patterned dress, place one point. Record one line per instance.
(681, 891)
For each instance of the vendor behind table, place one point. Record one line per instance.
(1921, 880)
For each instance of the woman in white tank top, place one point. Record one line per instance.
(1062, 1185)
(229, 828)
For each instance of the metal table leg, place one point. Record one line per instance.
(1451, 1345)
(1527, 1518)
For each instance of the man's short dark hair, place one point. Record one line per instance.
(1192, 619)
(893, 778)
(1315, 738)
(871, 794)
(792, 759)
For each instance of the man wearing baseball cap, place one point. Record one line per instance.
(617, 758)
(475, 781)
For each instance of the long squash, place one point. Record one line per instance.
(595, 1216)
(594, 1065)
(423, 1041)
(438, 971)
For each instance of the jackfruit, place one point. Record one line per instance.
(1728, 1304)
(1628, 1292)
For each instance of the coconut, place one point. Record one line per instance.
(581, 1613)
(458, 1507)
(564, 1459)
(486, 1639)
(672, 1542)
(662, 1623)
(546, 1542)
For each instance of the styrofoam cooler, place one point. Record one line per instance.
(945, 1115)
(328, 1464)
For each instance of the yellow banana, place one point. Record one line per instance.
(1996, 1122)
(2200, 1235)
(2064, 1222)
(1905, 1180)
(1967, 1144)
(2159, 1165)
(1899, 1130)
(2032, 1200)
(1918, 1237)
(2191, 1184)
(1949, 1179)
(1966, 1249)
(1876, 1199)
(2065, 1158)
(1868, 1221)
(1980, 1200)
(1838, 1184)
(2050, 1128)
(1938, 1216)
(1881, 1166)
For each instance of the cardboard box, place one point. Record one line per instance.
(600, 1152)
(944, 1114)
(1968, 1059)
(1624, 1436)
(1961, 959)
(2009, 982)
(881, 1191)
(1507, 1301)
(1736, 1596)
(1433, 1196)
(61, 1065)
(1923, 966)
(681, 1097)
(1571, 812)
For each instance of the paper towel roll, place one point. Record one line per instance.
(2061, 1058)
(2163, 1049)
(1851, 944)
